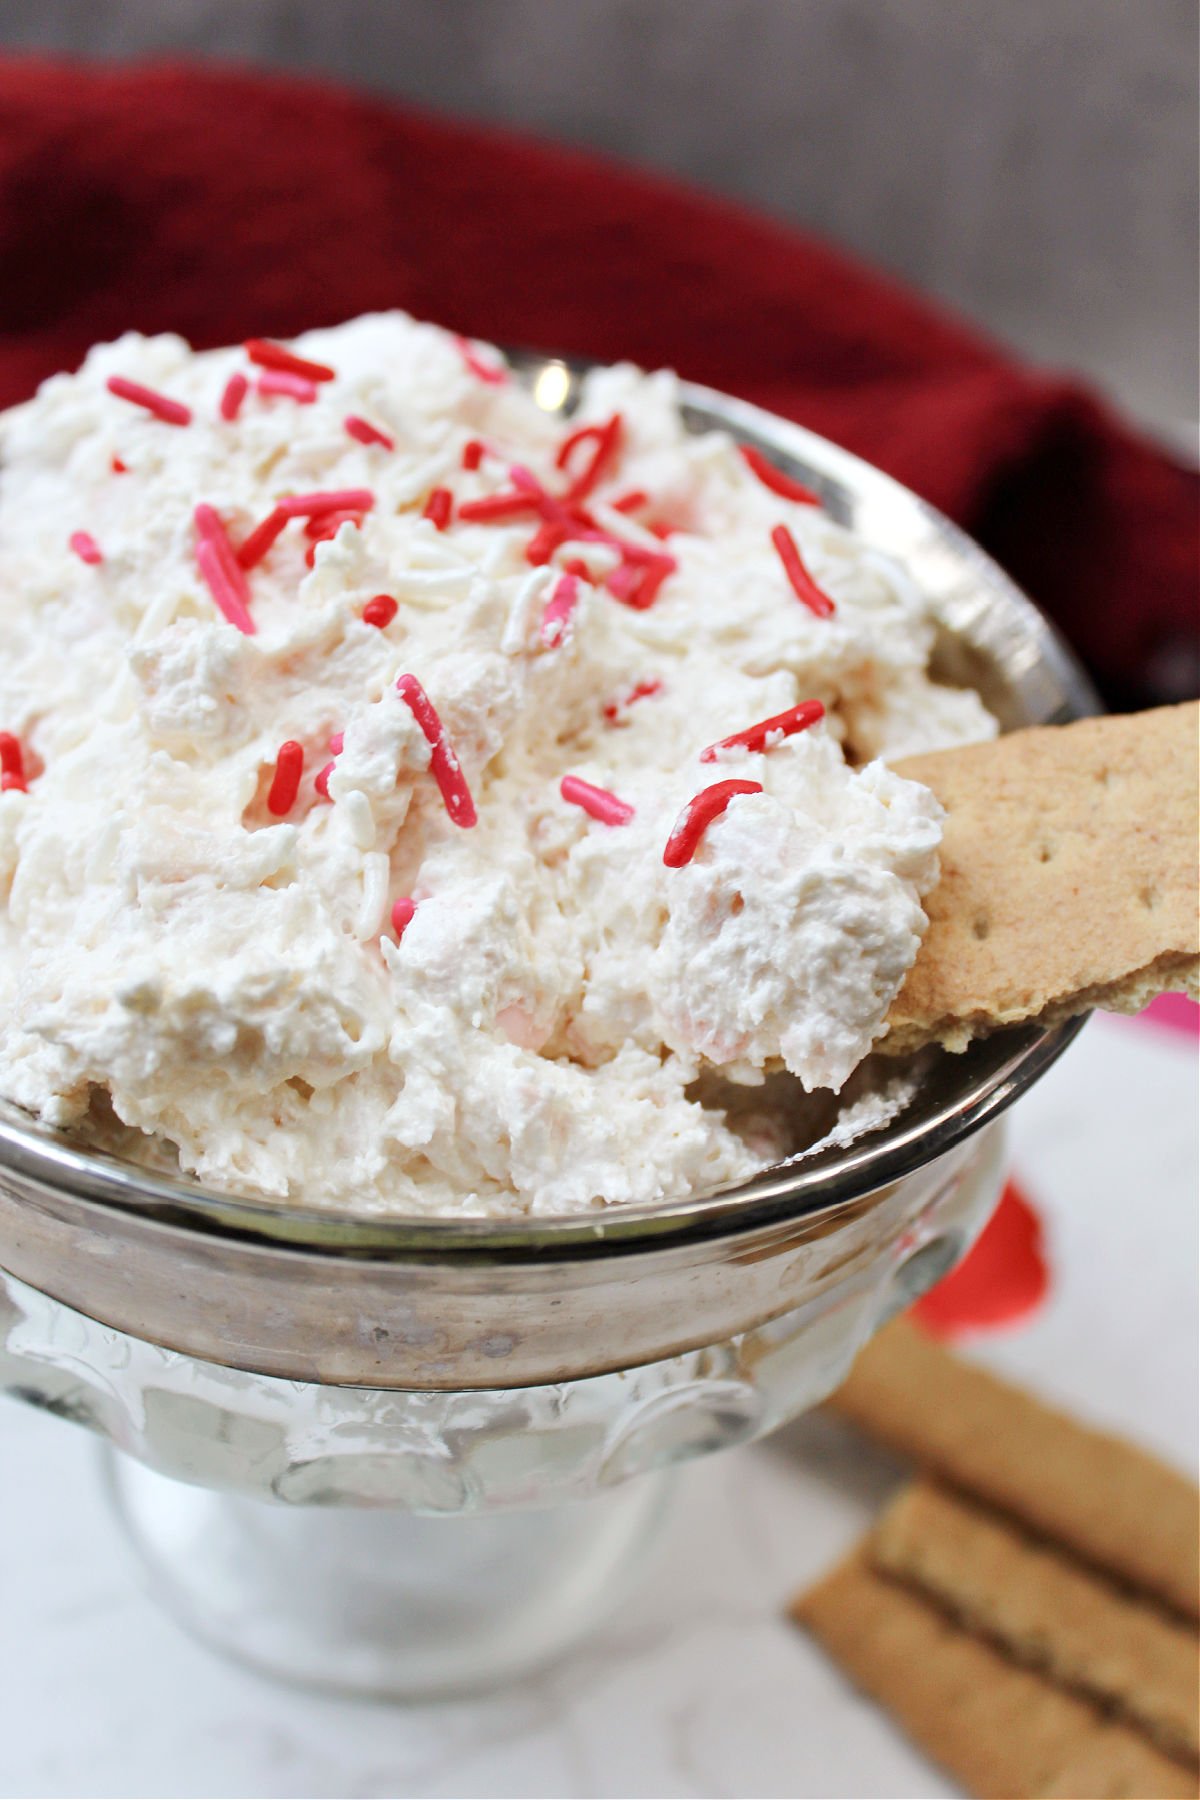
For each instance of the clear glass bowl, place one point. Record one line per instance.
(433, 1369)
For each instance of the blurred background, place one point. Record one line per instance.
(1033, 166)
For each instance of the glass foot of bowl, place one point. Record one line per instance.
(378, 1601)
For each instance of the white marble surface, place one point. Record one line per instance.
(700, 1687)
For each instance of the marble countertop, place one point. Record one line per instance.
(700, 1686)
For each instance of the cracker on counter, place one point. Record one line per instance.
(1068, 877)
(1112, 1505)
(1046, 1611)
(996, 1727)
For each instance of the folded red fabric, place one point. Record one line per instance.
(222, 204)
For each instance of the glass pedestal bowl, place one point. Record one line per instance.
(413, 1457)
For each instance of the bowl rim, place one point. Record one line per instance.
(998, 1068)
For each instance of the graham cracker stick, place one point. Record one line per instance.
(1046, 1612)
(997, 1728)
(1114, 1506)
(1068, 877)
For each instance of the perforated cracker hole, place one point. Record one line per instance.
(1046, 853)
(981, 926)
(1149, 897)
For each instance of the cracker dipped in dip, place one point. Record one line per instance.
(407, 794)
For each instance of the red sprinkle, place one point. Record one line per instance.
(85, 547)
(497, 506)
(803, 585)
(295, 387)
(367, 433)
(274, 356)
(171, 412)
(776, 480)
(784, 724)
(484, 371)
(12, 764)
(698, 815)
(559, 608)
(321, 780)
(597, 802)
(327, 525)
(402, 915)
(607, 441)
(443, 763)
(575, 565)
(221, 570)
(307, 506)
(261, 538)
(289, 766)
(630, 502)
(546, 540)
(380, 611)
(439, 507)
(236, 389)
(640, 691)
(635, 581)
(472, 454)
(118, 467)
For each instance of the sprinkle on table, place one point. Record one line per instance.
(236, 389)
(803, 585)
(278, 357)
(12, 764)
(698, 815)
(443, 763)
(285, 784)
(559, 611)
(85, 547)
(769, 731)
(439, 507)
(483, 371)
(366, 433)
(597, 802)
(775, 479)
(403, 912)
(220, 568)
(380, 611)
(292, 387)
(473, 454)
(171, 412)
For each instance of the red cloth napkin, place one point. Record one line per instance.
(223, 204)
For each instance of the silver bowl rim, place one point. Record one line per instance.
(995, 1070)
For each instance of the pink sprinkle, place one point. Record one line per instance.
(236, 389)
(289, 765)
(442, 761)
(784, 724)
(497, 506)
(597, 802)
(321, 781)
(337, 742)
(802, 583)
(295, 387)
(402, 915)
(698, 815)
(439, 507)
(307, 506)
(261, 539)
(85, 547)
(483, 371)
(220, 568)
(171, 412)
(269, 355)
(641, 691)
(380, 611)
(472, 454)
(367, 433)
(12, 764)
(559, 608)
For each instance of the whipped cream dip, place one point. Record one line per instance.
(380, 869)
